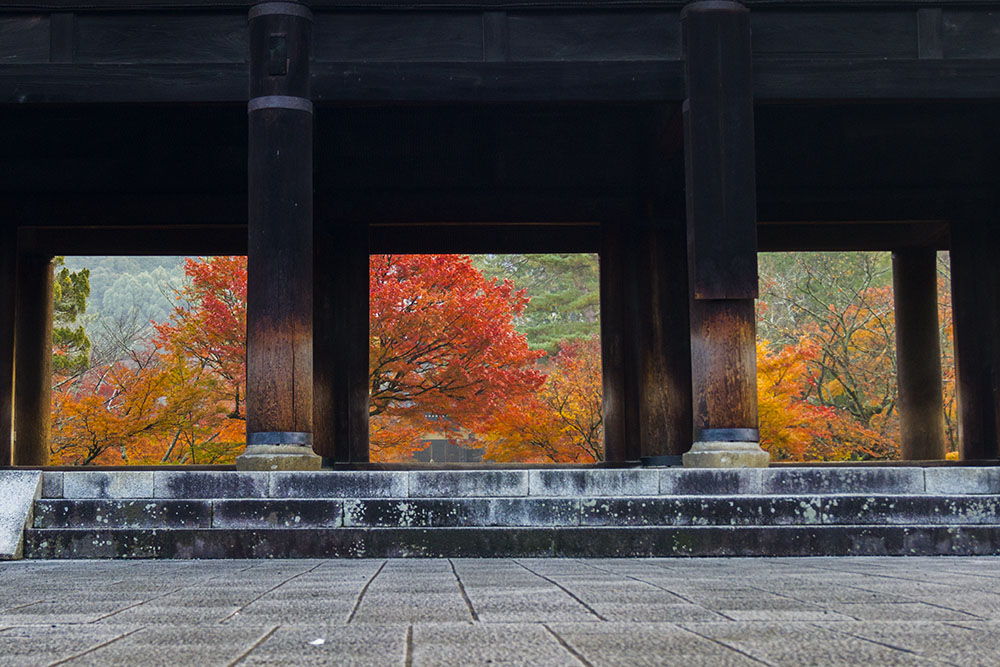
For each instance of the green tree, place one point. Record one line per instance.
(564, 290)
(71, 346)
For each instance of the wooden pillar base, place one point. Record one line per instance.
(278, 457)
(727, 448)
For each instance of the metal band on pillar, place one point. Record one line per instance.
(280, 102)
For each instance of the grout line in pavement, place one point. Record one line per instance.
(465, 596)
(408, 651)
(724, 645)
(880, 643)
(566, 645)
(261, 640)
(562, 588)
(94, 648)
(364, 589)
(270, 590)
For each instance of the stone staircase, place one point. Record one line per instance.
(779, 511)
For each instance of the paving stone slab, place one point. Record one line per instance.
(338, 484)
(103, 484)
(209, 484)
(514, 644)
(467, 483)
(18, 491)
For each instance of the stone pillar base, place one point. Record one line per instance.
(720, 454)
(278, 457)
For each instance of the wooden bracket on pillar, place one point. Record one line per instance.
(280, 243)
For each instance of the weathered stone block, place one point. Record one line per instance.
(209, 484)
(467, 483)
(700, 511)
(52, 485)
(709, 481)
(18, 491)
(108, 514)
(110, 484)
(962, 480)
(920, 510)
(591, 483)
(428, 512)
(338, 484)
(842, 480)
(268, 513)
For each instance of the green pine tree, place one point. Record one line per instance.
(564, 290)
(70, 342)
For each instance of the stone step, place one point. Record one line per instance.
(629, 482)
(578, 542)
(299, 513)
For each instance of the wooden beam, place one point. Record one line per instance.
(851, 236)
(280, 248)
(721, 233)
(918, 354)
(975, 288)
(8, 292)
(340, 343)
(33, 360)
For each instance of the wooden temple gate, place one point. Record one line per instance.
(653, 132)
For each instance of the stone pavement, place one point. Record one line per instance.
(791, 611)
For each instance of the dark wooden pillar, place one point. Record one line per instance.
(918, 354)
(663, 340)
(721, 232)
(341, 344)
(618, 344)
(33, 360)
(280, 250)
(8, 291)
(975, 244)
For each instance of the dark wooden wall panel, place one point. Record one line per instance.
(24, 39)
(410, 36)
(162, 38)
(889, 34)
(594, 36)
(971, 33)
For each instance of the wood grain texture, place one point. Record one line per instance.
(663, 339)
(8, 283)
(719, 152)
(723, 364)
(918, 354)
(971, 33)
(33, 360)
(601, 36)
(975, 245)
(162, 38)
(811, 33)
(402, 37)
(280, 236)
(340, 345)
(24, 39)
